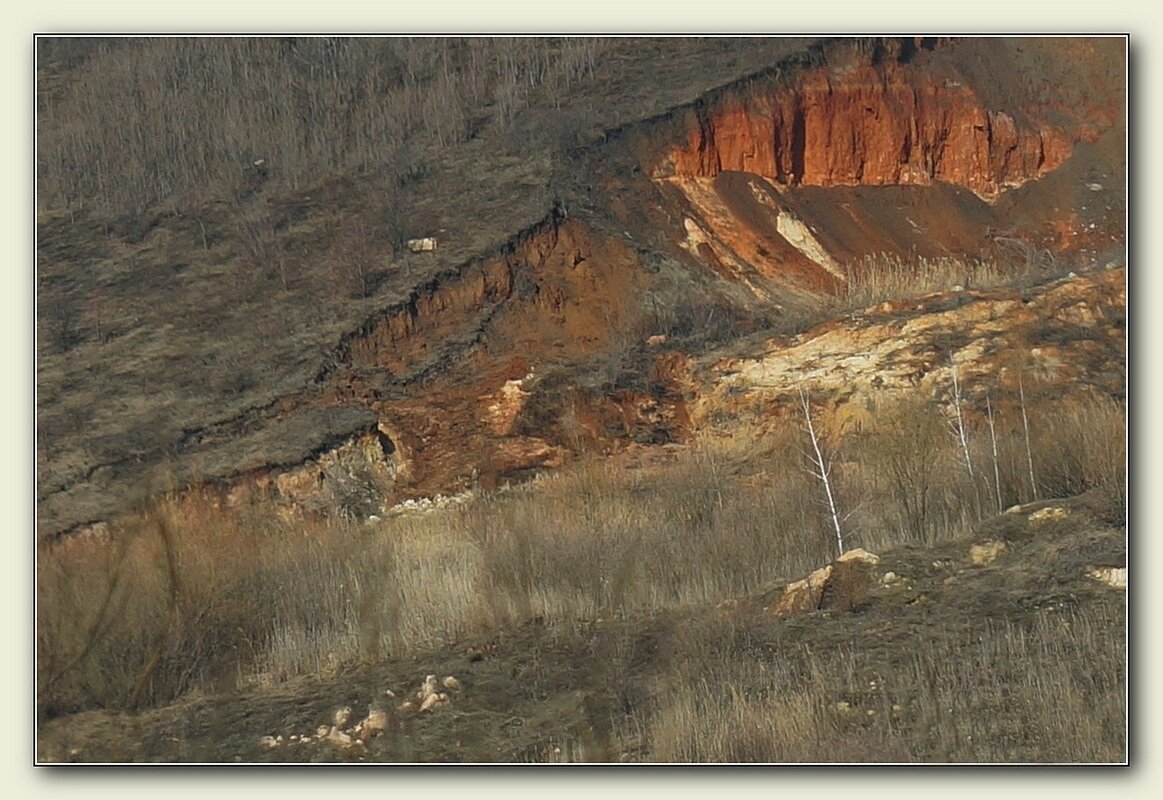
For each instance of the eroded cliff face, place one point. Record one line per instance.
(870, 124)
(461, 375)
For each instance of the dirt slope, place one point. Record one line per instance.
(736, 212)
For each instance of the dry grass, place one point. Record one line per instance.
(881, 277)
(1051, 691)
(189, 597)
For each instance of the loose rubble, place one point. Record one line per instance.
(381, 719)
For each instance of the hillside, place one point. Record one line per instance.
(179, 342)
(692, 320)
(1000, 646)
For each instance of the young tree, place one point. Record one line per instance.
(821, 467)
(1026, 430)
(993, 441)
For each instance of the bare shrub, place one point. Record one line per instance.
(58, 313)
(910, 456)
(357, 260)
(1085, 449)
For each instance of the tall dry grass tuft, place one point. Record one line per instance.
(877, 278)
(163, 608)
(1084, 449)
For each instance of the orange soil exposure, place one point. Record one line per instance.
(871, 125)
(561, 295)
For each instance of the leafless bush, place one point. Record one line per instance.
(59, 315)
(357, 265)
(1084, 449)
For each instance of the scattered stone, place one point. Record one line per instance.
(1094, 187)
(342, 716)
(407, 707)
(843, 706)
(336, 736)
(322, 731)
(375, 724)
(889, 578)
(1111, 576)
(451, 683)
(269, 742)
(427, 689)
(986, 552)
(843, 584)
(802, 595)
(1051, 514)
(432, 701)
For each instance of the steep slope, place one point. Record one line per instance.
(749, 209)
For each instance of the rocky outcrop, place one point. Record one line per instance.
(1068, 332)
(869, 124)
(985, 553)
(843, 584)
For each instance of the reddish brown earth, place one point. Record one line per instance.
(750, 205)
(872, 125)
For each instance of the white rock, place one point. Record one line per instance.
(1048, 514)
(1111, 576)
(376, 722)
(338, 737)
(859, 554)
